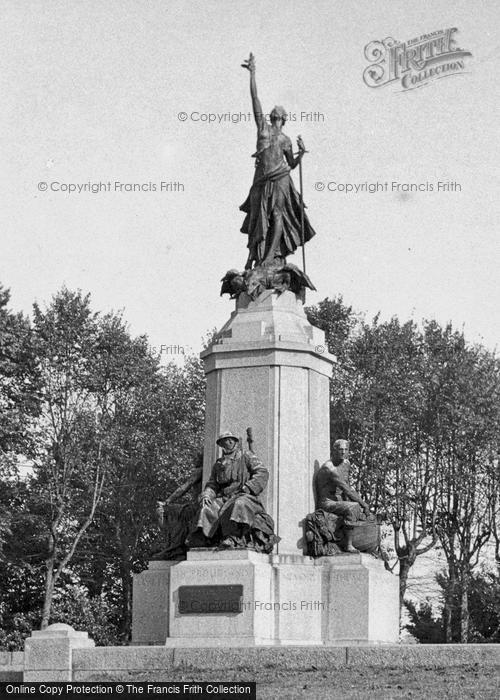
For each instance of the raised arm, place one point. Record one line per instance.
(257, 107)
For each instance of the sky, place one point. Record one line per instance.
(121, 92)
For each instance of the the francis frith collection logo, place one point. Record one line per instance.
(415, 62)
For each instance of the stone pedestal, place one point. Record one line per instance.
(279, 600)
(209, 617)
(48, 653)
(243, 598)
(150, 609)
(298, 600)
(361, 600)
(269, 370)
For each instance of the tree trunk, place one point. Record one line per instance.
(404, 570)
(49, 591)
(447, 616)
(406, 556)
(126, 597)
(449, 604)
(464, 610)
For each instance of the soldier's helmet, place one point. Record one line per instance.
(224, 436)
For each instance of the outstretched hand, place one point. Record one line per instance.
(249, 63)
(300, 145)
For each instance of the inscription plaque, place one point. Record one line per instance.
(210, 600)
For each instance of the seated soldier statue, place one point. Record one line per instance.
(342, 520)
(231, 514)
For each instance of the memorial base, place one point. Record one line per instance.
(208, 595)
(239, 598)
(361, 599)
(150, 609)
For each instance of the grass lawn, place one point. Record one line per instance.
(472, 682)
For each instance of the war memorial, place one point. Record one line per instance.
(276, 561)
(281, 551)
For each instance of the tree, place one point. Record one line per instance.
(21, 569)
(72, 460)
(394, 457)
(127, 379)
(423, 625)
(421, 410)
(340, 325)
(463, 422)
(19, 404)
(19, 381)
(338, 322)
(484, 607)
(156, 439)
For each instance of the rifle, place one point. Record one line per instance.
(249, 439)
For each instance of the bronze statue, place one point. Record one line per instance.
(273, 207)
(175, 519)
(231, 514)
(254, 282)
(342, 520)
(175, 522)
